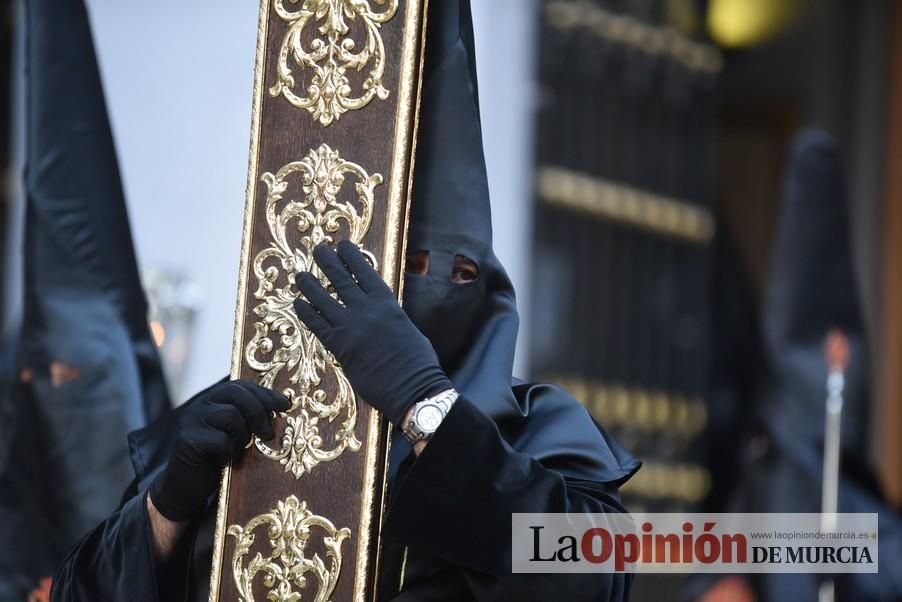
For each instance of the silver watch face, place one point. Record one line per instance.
(429, 418)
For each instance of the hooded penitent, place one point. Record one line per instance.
(813, 291)
(473, 326)
(89, 370)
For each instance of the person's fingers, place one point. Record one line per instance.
(311, 318)
(271, 400)
(210, 444)
(228, 419)
(250, 404)
(317, 296)
(368, 278)
(335, 270)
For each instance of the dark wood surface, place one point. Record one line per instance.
(287, 134)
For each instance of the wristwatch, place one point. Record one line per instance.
(428, 415)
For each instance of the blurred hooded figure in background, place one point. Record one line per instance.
(502, 445)
(85, 370)
(812, 292)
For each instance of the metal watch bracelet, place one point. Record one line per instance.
(427, 415)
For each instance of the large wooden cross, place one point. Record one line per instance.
(334, 120)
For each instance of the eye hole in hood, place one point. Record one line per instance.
(463, 271)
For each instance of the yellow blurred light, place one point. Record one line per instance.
(158, 333)
(742, 23)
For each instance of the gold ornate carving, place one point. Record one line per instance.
(332, 54)
(281, 341)
(289, 528)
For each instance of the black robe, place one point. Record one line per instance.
(448, 517)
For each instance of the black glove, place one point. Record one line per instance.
(213, 430)
(388, 361)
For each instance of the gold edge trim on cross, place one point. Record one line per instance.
(246, 236)
(415, 128)
(369, 486)
(222, 509)
(400, 186)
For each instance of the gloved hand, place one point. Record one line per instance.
(214, 430)
(388, 361)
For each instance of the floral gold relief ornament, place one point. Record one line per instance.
(328, 205)
(327, 40)
(287, 569)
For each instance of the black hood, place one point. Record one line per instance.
(473, 326)
(83, 297)
(813, 291)
(93, 373)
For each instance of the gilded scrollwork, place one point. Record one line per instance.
(329, 52)
(325, 207)
(287, 567)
